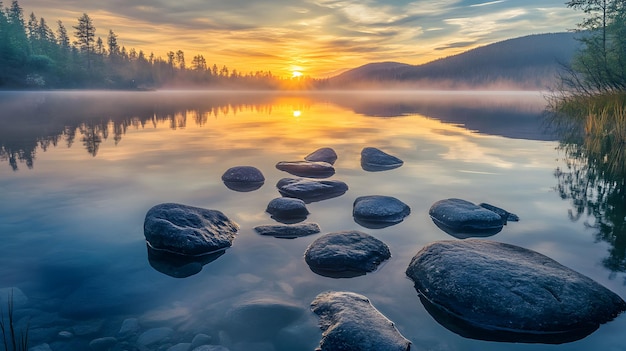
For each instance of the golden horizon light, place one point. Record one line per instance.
(313, 38)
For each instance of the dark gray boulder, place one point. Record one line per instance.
(463, 219)
(374, 160)
(346, 254)
(350, 322)
(378, 211)
(505, 215)
(287, 209)
(288, 231)
(309, 169)
(188, 230)
(243, 178)
(311, 190)
(324, 154)
(493, 291)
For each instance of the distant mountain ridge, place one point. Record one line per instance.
(529, 62)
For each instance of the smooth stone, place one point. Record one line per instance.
(346, 254)
(324, 154)
(379, 211)
(287, 209)
(211, 348)
(259, 319)
(307, 169)
(199, 340)
(311, 190)
(188, 230)
(243, 178)
(88, 327)
(102, 344)
(129, 326)
(288, 231)
(374, 160)
(64, 334)
(40, 347)
(183, 346)
(350, 322)
(154, 336)
(463, 219)
(19, 299)
(499, 292)
(505, 215)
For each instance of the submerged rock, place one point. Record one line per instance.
(346, 254)
(350, 322)
(374, 160)
(324, 154)
(493, 291)
(463, 219)
(287, 209)
(379, 211)
(243, 178)
(310, 169)
(260, 319)
(288, 231)
(311, 190)
(188, 230)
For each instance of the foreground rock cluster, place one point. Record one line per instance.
(476, 288)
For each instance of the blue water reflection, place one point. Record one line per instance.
(79, 170)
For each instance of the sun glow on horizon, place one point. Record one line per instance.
(296, 74)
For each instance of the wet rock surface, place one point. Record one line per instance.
(188, 230)
(464, 219)
(377, 211)
(350, 322)
(311, 190)
(375, 160)
(243, 178)
(505, 215)
(288, 231)
(346, 254)
(493, 291)
(324, 154)
(309, 169)
(287, 209)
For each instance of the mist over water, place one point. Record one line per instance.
(79, 171)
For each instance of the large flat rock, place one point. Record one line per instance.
(346, 254)
(493, 291)
(464, 219)
(350, 322)
(311, 190)
(188, 230)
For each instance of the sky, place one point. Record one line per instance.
(317, 38)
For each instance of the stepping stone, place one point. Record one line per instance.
(375, 160)
(346, 254)
(499, 292)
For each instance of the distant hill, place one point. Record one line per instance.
(529, 62)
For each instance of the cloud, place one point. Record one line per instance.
(280, 33)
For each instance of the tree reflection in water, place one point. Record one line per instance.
(594, 179)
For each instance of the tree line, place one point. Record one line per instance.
(600, 66)
(33, 55)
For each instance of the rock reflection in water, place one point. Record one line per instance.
(179, 266)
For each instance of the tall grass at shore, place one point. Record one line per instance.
(12, 341)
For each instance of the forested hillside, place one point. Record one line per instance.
(530, 62)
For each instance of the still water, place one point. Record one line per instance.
(79, 171)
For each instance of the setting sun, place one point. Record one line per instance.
(296, 74)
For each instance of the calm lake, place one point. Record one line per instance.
(79, 171)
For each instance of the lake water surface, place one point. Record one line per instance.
(79, 171)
